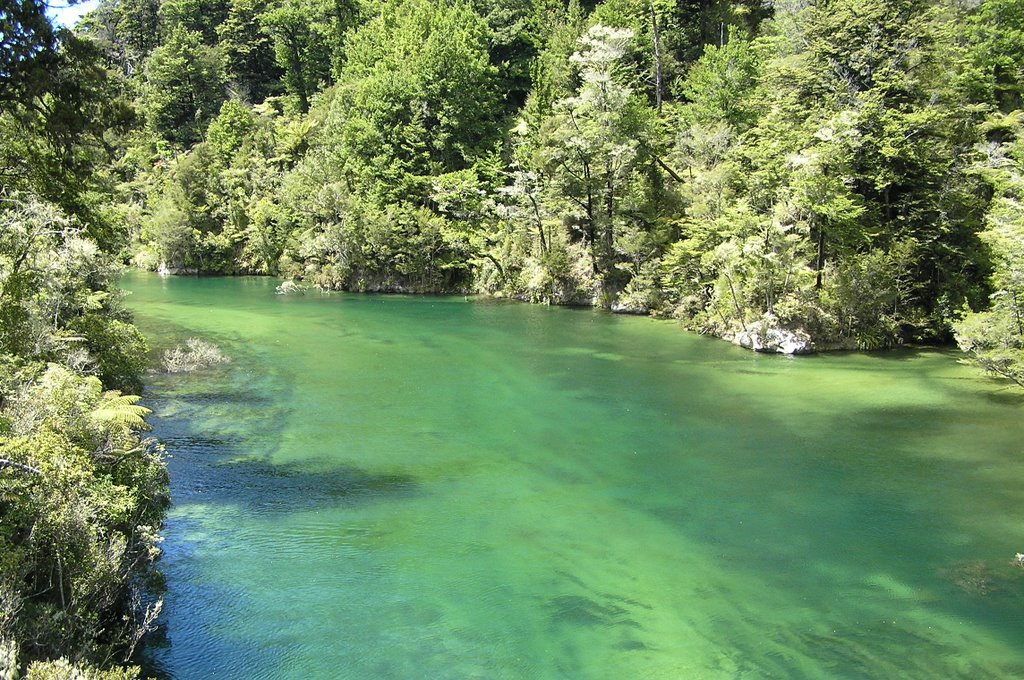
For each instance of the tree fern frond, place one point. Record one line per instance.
(121, 409)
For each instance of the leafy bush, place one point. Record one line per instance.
(83, 496)
(62, 669)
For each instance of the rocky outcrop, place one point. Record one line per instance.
(767, 336)
(165, 270)
(627, 307)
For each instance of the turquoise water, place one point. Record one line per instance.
(402, 487)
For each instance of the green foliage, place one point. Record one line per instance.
(212, 209)
(29, 46)
(391, 192)
(249, 55)
(995, 337)
(809, 164)
(128, 30)
(719, 85)
(840, 143)
(121, 409)
(417, 99)
(994, 69)
(594, 144)
(52, 139)
(229, 130)
(870, 297)
(80, 529)
(367, 247)
(552, 73)
(994, 341)
(81, 494)
(118, 347)
(516, 27)
(200, 16)
(301, 46)
(183, 88)
(62, 669)
(56, 306)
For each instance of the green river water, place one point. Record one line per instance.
(405, 487)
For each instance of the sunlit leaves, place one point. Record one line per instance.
(184, 87)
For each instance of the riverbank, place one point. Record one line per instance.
(764, 335)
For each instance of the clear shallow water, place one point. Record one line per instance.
(399, 487)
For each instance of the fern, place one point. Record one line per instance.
(121, 409)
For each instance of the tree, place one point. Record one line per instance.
(81, 494)
(995, 337)
(594, 144)
(128, 30)
(80, 530)
(183, 88)
(650, 52)
(249, 54)
(200, 16)
(230, 129)
(55, 304)
(52, 139)
(28, 49)
(719, 86)
(709, 22)
(301, 46)
(417, 99)
(993, 71)
(515, 27)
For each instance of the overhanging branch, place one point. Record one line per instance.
(5, 463)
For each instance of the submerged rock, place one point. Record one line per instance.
(289, 287)
(765, 336)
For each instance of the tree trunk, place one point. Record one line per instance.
(820, 264)
(672, 173)
(299, 78)
(609, 211)
(591, 226)
(657, 57)
(540, 224)
(1016, 311)
(735, 301)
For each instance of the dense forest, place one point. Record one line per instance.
(791, 175)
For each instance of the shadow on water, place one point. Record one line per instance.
(579, 610)
(217, 655)
(222, 429)
(210, 478)
(1009, 397)
(264, 487)
(252, 487)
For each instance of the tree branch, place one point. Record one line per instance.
(672, 173)
(5, 463)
